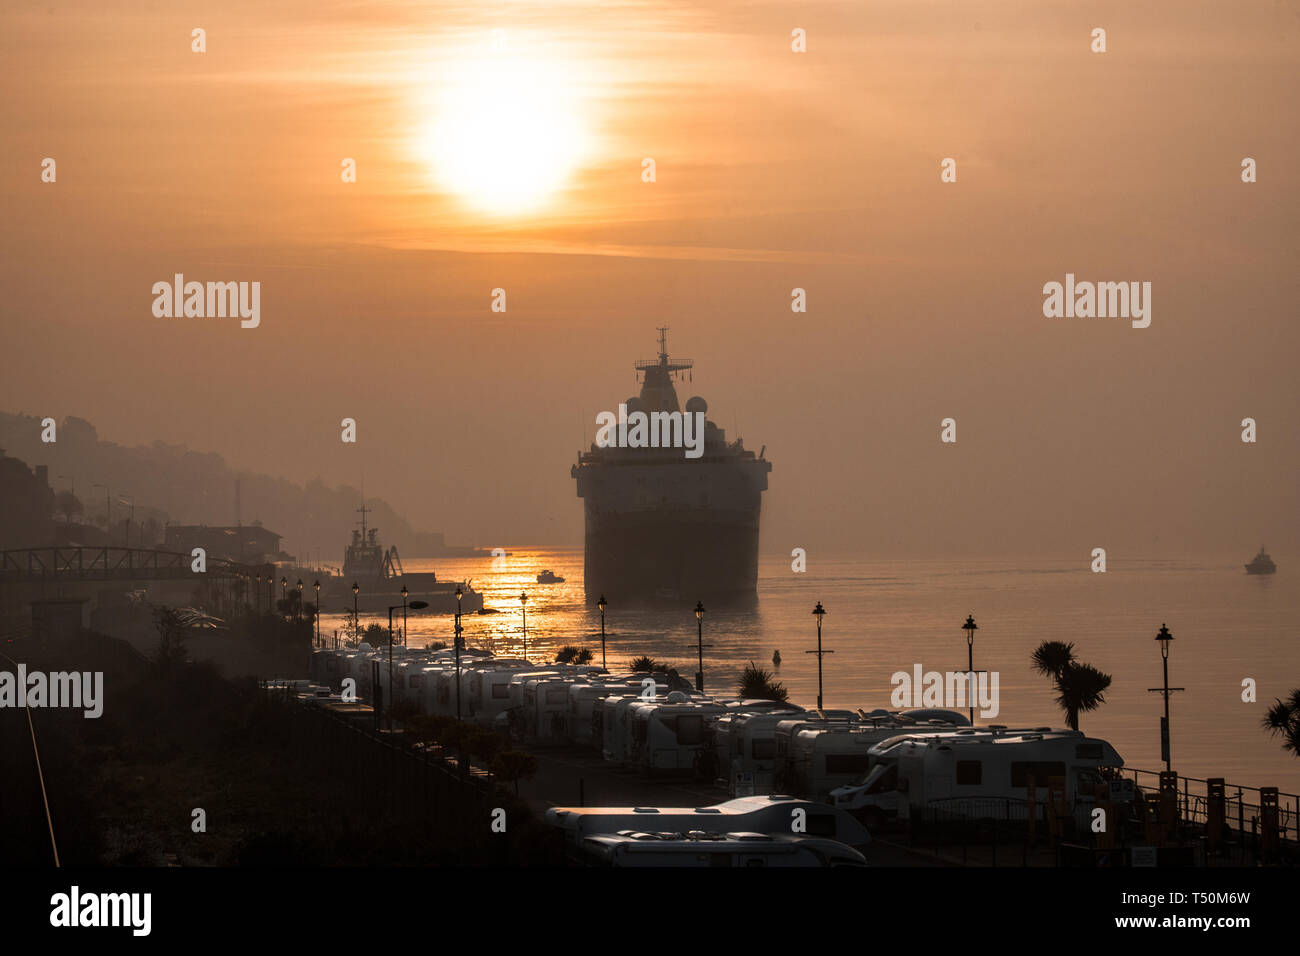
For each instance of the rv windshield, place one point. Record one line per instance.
(882, 778)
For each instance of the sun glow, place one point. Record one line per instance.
(506, 133)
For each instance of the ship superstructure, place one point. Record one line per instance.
(660, 524)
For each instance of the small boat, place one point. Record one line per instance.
(549, 577)
(1261, 563)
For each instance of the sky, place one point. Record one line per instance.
(501, 146)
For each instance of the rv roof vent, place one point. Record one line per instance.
(997, 726)
(1043, 730)
(677, 697)
(645, 809)
(1032, 737)
(960, 732)
(707, 810)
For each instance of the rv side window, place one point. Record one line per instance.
(1088, 751)
(690, 729)
(846, 763)
(821, 824)
(500, 691)
(763, 749)
(557, 695)
(969, 773)
(1043, 771)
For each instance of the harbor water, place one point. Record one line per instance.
(887, 617)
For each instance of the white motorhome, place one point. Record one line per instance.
(632, 848)
(746, 747)
(766, 814)
(669, 735)
(823, 758)
(978, 772)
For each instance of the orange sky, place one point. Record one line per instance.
(775, 170)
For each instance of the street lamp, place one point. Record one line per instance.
(820, 612)
(356, 615)
(1164, 637)
(284, 588)
(388, 700)
(602, 605)
(699, 623)
(299, 599)
(970, 627)
(523, 606)
(459, 594)
(404, 595)
(316, 586)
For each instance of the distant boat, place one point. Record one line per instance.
(1261, 564)
(549, 577)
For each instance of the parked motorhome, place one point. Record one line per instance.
(767, 814)
(632, 848)
(669, 735)
(963, 773)
(746, 749)
(822, 758)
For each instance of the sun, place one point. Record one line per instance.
(506, 133)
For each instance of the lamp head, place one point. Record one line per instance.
(819, 611)
(355, 589)
(699, 610)
(1164, 637)
(602, 604)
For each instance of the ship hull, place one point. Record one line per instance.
(672, 555)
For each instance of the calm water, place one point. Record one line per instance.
(887, 617)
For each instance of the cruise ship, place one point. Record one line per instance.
(664, 525)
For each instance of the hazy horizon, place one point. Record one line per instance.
(775, 170)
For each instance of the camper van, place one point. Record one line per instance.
(746, 747)
(768, 814)
(963, 773)
(633, 848)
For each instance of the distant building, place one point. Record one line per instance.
(27, 518)
(247, 544)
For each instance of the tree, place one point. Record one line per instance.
(171, 637)
(1079, 687)
(515, 765)
(1283, 718)
(68, 504)
(648, 665)
(571, 654)
(759, 684)
(376, 635)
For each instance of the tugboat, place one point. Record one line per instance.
(378, 574)
(1261, 563)
(549, 577)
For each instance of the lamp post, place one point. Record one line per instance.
(523, 606)
(602, 605)
(299, 609)
(316, 587)
(1164, 637)
(388, 697)
(820, 612)
(356, 615)
(284, 588)
(404, 595)
(459, 594)
(108, 511)
(699, 624)
(970, 627)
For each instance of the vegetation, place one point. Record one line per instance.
(170, 653)
(571, 654)
(1079, 687)
(515, 765)
(1283, 719)
(648, 665)
(760, 684)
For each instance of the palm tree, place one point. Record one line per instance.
(1079, 687)
(757, 683)
(1284, 718)
(648, 665)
